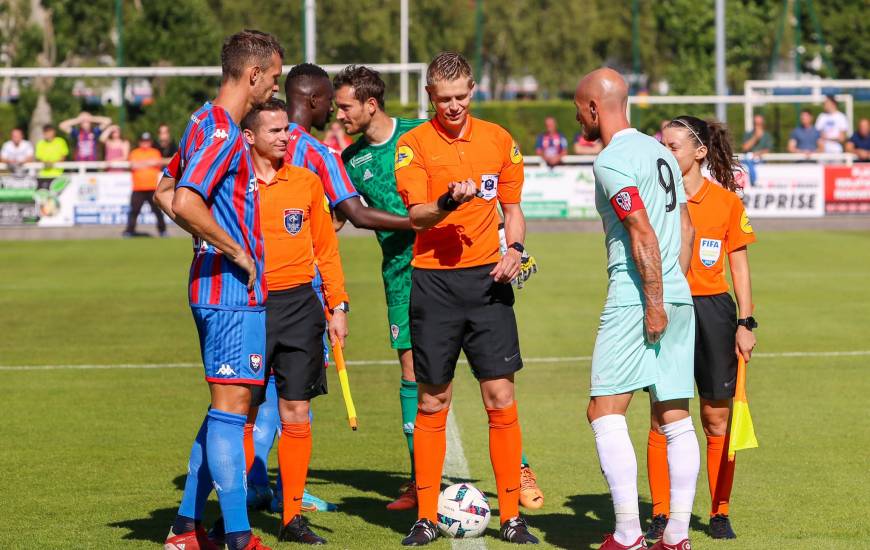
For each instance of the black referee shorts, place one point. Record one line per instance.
(715, 333)
(294, 345)
(462, 309)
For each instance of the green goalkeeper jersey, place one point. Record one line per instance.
(370, 167)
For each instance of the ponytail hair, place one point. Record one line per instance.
(720, 158)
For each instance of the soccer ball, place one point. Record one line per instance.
(463, 511)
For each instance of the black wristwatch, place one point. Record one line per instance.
(343, 306)
(748, 322)
(518, 247)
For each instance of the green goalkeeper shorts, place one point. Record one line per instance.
(400, 332)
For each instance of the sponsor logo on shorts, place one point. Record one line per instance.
(293, 220)
(623, 200)
(394, 331)
(256, 361)
(709, 251)
(225, 370)
(488, 186)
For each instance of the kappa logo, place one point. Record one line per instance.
(293, 220)
(226, 370)
(220, 133)
(367, 175)
(394, 331)
(709, 251)
(623, 199)
(256, 361)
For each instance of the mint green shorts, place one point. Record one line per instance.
(623, 362)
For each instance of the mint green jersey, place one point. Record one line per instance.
(630, 160)
(371, 169)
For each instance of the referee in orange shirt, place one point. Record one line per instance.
(451, 173)
(297, 229)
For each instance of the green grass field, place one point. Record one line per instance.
(95, 457)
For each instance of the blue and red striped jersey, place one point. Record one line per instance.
(306, 151)
(213, 160)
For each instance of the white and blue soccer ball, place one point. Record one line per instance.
(463, 511)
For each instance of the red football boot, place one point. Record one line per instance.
(682, 545)
(611, 544)
(192, 540)
(256, 544)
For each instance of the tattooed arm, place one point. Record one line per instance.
(647, 258)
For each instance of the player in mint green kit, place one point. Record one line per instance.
(370, 163)
(646, 338)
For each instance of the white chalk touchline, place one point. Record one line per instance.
(456, 466)
(567, 359)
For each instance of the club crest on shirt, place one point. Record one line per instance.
(709, 251)
(293, 220)
(623, 200)
(404, 156)
(256, 361)
(488, 186)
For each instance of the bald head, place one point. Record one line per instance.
(601, 99)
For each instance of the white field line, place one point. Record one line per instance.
(456, 466)
(567, 359)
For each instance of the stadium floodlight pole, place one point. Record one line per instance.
(119, 61)
(403, 52)
(721, 87)
(309, 27)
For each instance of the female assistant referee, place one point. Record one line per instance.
(721, 229)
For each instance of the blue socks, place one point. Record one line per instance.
(264, 436)
(197, 486)
(225, 455)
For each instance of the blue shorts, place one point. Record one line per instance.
(317, 283)
(623, 362)
(233, 344)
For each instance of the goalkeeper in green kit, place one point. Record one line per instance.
(370, 161)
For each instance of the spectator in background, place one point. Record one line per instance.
(859, 143)
(336, 138)
(85, 130)
(583, 146)
(49, 150)
(833, 126)
(551, 145)
(757, 141)
(145, 167)
(805, 137)
(165, 144)
(115, 147)
(16, 151)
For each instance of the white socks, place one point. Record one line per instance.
(684, 461)
(619, 465)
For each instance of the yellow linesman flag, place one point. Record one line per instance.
(742, 431)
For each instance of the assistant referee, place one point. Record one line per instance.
(451, 173)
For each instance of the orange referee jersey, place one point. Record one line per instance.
(298, 232)
(721, 227)
(427, 159)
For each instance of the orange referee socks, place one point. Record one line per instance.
(657, 470)
(250, 454)
(720, 474)
(505, 453)
(294, 453)
(430, 445)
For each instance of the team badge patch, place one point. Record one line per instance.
(404, 156)
(293, 220)
(488, 186)
(516, 156)
(256, 361)
(745, 226)
(709, 251)
(623, 200)
(394, 331)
